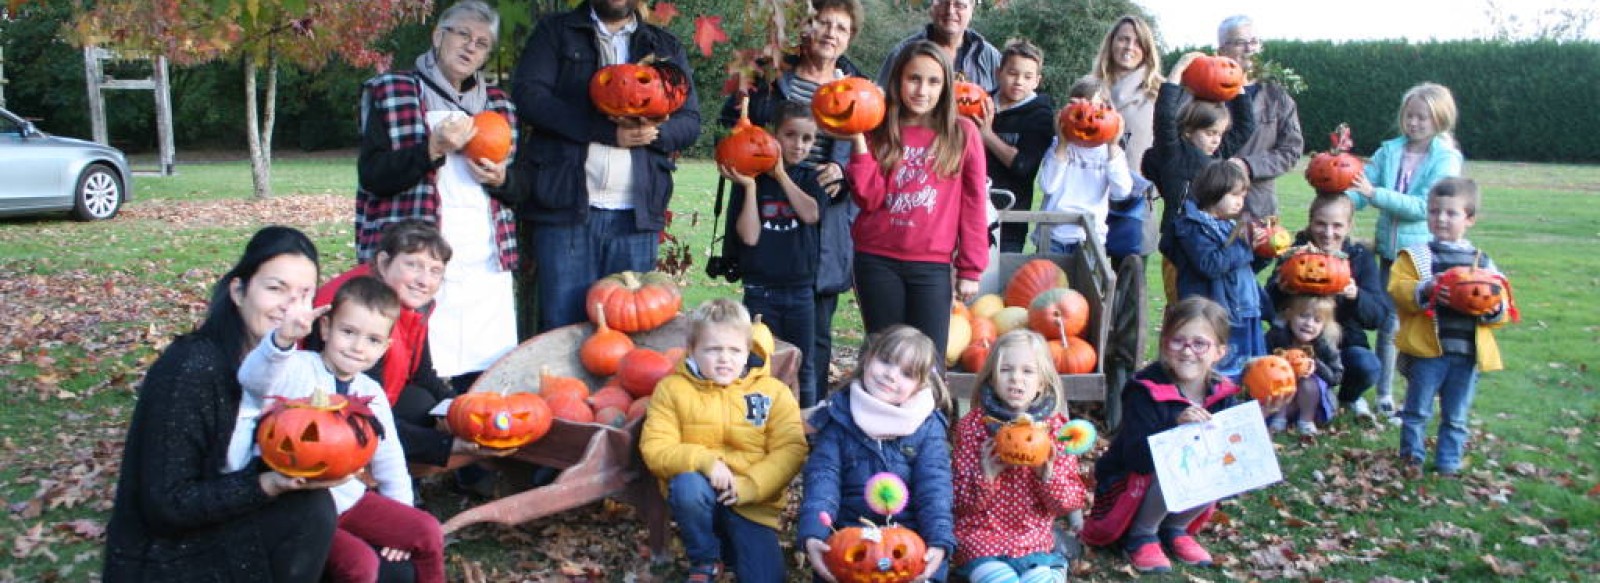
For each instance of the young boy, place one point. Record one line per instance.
(724, 496)
(776, 224)
(1017, 133)
(1083, 180)
(1441, 349)
(355, 332)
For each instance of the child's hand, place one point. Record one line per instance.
(985, 118)
(734, 177)
(1361, 185)
(815, 549)
(935, 557)
(1194, 415)
(297, 321)
(721, 479)
(1176, 74)
(1350, 291)
(992, 466)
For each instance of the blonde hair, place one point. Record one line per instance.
(1151, 85)
(718, 312)
(912, 351)
(1439, 101)
(1322, 306)
(1022, 339)
(948, 138)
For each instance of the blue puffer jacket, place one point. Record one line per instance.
(843, 458)
(1403, 216)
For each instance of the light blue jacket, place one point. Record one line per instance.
(1403, 216)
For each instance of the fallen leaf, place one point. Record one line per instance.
(708, 33)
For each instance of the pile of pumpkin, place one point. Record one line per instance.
(1036, 297)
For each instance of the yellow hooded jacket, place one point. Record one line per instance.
(1419, 333)
(752, 425)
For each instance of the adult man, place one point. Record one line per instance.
(1277, 142)
(969, 53)
(600, 185)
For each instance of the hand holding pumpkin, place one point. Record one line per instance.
(815, 549)
(275, 483)
(1183, 63)
(633, 132)
(487, 171)
(1361, 185)
(450, 135)
(465, 447)
(735, 177)
(935, 557)
(990, 462)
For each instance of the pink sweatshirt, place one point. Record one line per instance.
(911, 214)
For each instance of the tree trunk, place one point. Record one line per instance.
(259, 132)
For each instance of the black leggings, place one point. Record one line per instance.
(913, 293)
(297, 530)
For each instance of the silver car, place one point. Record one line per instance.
(43, 173)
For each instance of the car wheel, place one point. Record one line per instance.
(98, 195)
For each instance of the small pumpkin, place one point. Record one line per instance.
(1269, 377)
(1333, 171)
(748, 149)
(987, 305)
(552, 386)
(493, 140)
(1059, 312)
(1024, 442)
(1277, 239)
(957, 338)
(848, 106)
(1313, 271)
(970, 99)
(321, 437)
(601, 353)
(642, 368)
(1010, 318)
(1214, 78)
(499, 420)
(1031, 279)
(610, 396)
(650, 88)
(611, 416)
(1472, 291)
(875, 554)
(976, 354)
(1089, 124)
(567, 407)
(983, 329)
(1073, 356)
(634, 302)
(1300, 360)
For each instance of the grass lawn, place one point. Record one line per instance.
(84, 309)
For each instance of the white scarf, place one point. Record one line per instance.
(880, 420)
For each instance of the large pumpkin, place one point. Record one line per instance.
(499, 421)
(1214, 78)
(1089, 124)
(1277, 240)
(1057, 312)
(1023, 442)
(748, 149)
(1314, 272)
(601, 353)
(848, 106)
(1472, 291)
(970, 99)
(874, 554)
(642, 368)
(1268, 377)
(321, 437)
(1031, 279)
(651, 89)
(634, 302)
(493, 140)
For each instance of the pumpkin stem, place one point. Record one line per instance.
(320, 399)
(630, 279)
(600, 312)
(744, 111)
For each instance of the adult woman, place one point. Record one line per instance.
(177, 515)
(1129, 65)
(410, 167)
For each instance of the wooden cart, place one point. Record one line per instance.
(595, 461)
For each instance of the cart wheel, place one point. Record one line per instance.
(1125, 345)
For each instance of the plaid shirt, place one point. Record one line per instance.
(397, 99)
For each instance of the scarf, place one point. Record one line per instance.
(880, 420)
(996, 412)
(1126, 91)
(441, 95)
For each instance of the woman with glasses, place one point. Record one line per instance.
(415, 124)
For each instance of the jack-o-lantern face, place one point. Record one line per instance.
(1314, 272)
(1023, 442)
(1333, 173)
(1214, 78)
(1268, 377)
(1299, 359)
(848, 106)
(650, 90)
(749, 150)
(871, 554)
(322, 437)
(1473, 292)
(970, 99)
(1089, 124)
(499, 421)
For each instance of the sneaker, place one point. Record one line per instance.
(1411, 471)
(1306, 428)
(1148, 558)
(1189, 552)
(1360, 408)
(1278, 424)
(704, 573)
(1386, 406)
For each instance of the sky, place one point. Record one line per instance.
(1194, 23)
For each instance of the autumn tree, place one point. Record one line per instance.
(259, 34)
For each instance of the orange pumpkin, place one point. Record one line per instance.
(570, 408)
(651, 89)
(848, 106)
(1063, 305)
(493, 140)
(873, 554)
(1033, 277)
(1074, 356)
(970, 99)
(1314, 272)
(1268, 377)
(983, 329)
(642, 368)
(976, 354)
(1023, 442)
(634, 302)
(552, 386)
(1277, 241)
(499, 420)
(610, 396)
(601, 353)
(1089, 124)
(748, 149)
(1300, 360)
(1333, 171)
(1472, 291)
(321, 437)
(1214, 78)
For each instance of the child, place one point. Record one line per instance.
(1442, 349)
(1083, 180)
(1396, 182)
(920, 186)
(355, 333)
(1182, 387)
(888, 420)
(1016, 132)
(1361, 306)
(1004, 513)
(725, 439)
(1308, 324)
(1213, 258)
(776, 224)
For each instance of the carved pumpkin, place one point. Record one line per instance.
(493, 140)
(634, 302)
(1060, 305)
(1314, 272)
(874, 554)
(1033, 277)
(321, 437)
(499, 421)
(848, 106)
(1214, 78)
(642, 368)
(649, 88)
(748, 149)
(970, 99)
(1089, 124)
(1277, 241)
(1269, 377)
(1023, 442)
(1300, 360)
(1073, 356)
(601, 353)
(1333, 171)
(1472, 291)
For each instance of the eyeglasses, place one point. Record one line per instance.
(481, 43)
(954, 5)
(1195, 345)
(1242, 42)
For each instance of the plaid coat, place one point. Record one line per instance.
(396, 176)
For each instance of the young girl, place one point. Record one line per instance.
(1307, 322)
(1212, 257)
(1397, 183)
(1083, 180)
(920, 186)
(1004, 513)
(888, 420)
(1183, 387)
(1017, 131)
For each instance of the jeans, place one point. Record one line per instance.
(1454, 378)
(296, 529)
(1065, 248)
(1386, 331)
(376, 521)
(790, 312)
(822, 356)
(712, 532)
(1361, 370)
(913, 293)
(571, 257)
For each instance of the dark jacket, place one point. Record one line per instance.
(1329, 366)
(551, 91)
(1371, 306)
(1029, 128)
(843, 458)
(1151, 403)
(1171, 162)
(786, 253)
(1213, 263)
